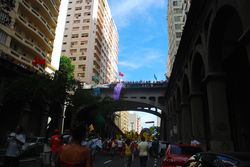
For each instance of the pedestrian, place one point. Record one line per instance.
(74, 154)
(128, 151)
(143, 152)
(56, 143)
(15, 142)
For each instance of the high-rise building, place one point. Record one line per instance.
(121, 120)
(177, 16)
(27, 33)
(134, 122)
(91, 41)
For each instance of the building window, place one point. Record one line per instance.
(75, 28)
(73, 51)
(86, 20)
(77, 15)
(67, 21)
(84, 42)
(87, 14)
(64, 43)
(88, 7)
(73, 58)
(85, 35)
(78, 8)
(63, 50)
(83, 50)
(65, 35)
(69, 8)
(178, 35)
(177, 18)
(73, 43)
(79, 1)
(175, 3)
(76, 21)
(74, 36)
(177, 26)
(85, 27)
(82, 58)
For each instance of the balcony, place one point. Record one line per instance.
(27, 45)
(45, 12)
(37, 19)
(52, 7)
(34, 32)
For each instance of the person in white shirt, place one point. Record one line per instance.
(15, 142)
(143, 152)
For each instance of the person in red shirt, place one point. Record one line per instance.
(56, 143)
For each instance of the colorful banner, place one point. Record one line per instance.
(117, 91)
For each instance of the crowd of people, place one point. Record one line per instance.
(74, 148)
(141, 84)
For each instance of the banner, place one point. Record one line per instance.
(117, 91)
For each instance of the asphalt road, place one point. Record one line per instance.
(117, 161)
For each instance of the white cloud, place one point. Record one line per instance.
(142, 58)
(125, 10)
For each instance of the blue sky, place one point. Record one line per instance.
(143, 41)
(143, 38)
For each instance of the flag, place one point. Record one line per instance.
(91, 127)
(117, 91)
(121, 74)
(155, 77)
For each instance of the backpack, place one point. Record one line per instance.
(128, 150)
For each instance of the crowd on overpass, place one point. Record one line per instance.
(141, 84)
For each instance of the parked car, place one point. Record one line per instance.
(209, 159)
(177, 154)
(33, 147)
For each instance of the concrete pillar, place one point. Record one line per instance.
(220, 139)
(61, 118)
(186, 125)
(197, 116)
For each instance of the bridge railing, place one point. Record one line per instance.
(141, 84)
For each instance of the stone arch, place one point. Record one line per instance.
(199, 103)
(228, 56)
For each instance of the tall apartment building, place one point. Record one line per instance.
(122, 120)
(91, 41)
(177, 16)
(134, 122)
(27, 32)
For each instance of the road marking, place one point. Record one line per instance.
(107, 161)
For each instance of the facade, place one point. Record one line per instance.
(27, 33)
(91, 41)
(134, 122)
(122, 120)
(208, 92)
(177, 16)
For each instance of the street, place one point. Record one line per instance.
(117, 161)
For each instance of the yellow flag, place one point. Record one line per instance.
(91, 127)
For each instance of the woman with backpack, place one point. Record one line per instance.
(128, 151)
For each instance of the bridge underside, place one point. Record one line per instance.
(137, 106)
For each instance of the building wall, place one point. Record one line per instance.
(177, 15)
(208, 92)
(122, 120)
(27, 31)
(91, 41)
